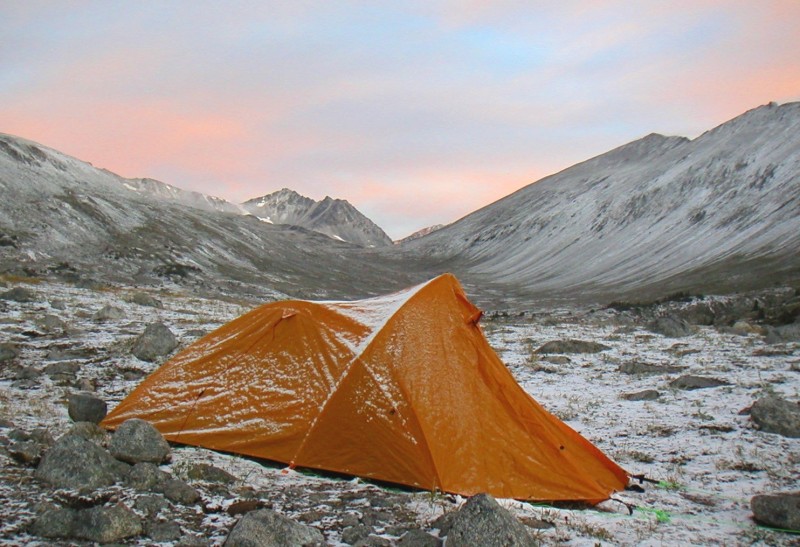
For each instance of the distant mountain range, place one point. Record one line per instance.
(662, 214)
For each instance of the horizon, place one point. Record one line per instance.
(417, 115)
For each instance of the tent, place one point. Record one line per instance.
(402, 388)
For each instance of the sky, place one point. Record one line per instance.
(417, 112)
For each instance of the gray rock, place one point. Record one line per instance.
(137, 441)
(163, 531)
(106, 524)
(418, 538)
(26, 452)
(89, 431)
(783, 334)
(690, 382)
(156, 340)
(481, 521)
(86, 407)
(27, 373)
(208, 473)
(779, 510)
(373, 541)
(40, 435)
(58, 304)
(636, 367)
(776, 415)
(109, 313)
(19, 294)
(354, 534)
(76, 463)
(51, 324)
(177, 491)
(671, 327)
(646, 395)
(8, 352)
(266, 527)
(444, 522)
(144, 299)
(572, 346)
(151, 505)
(54, 523)
(146, 476)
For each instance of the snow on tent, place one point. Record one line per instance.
(402, 388)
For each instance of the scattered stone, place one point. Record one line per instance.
(146, 476)
(743, 328)
(89, 431)
(353, 534)
(373, 541)
(86, 407)
(418, 538)
(26, 452)
(208, 473)
(156, 340)
(245, 506)
(109, 313)
(774, 414)
(636, 367)
(54, 523)
(8, 352)
(144, 299)
(151, 505)
(671, 327)
(161, 532)
(106, 524)
(779, 510)
(27, 373)
(74, 462)
(58, 304)
(783, 334)
(444, 522)
(19, 294)
(266, 527)
(557, 359)
(572, 346)
(481, 521)
(177, 491)
(39, 435)
(646, 395)
(51, 324)
(137, 441)
(690, 382)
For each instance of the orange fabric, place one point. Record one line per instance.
(402, 388)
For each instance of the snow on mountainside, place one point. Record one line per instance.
(62, 217)
(421, 233)
(336, 218)
(197, 200)
(721, 211)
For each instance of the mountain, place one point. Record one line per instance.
(165, 191)
(62, 217)
(336, 218)
(717, 213)
(420, 233)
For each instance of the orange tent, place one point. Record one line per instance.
(402, 388)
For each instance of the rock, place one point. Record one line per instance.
(266, 527)
(51, 324)
(671, 327)
(86, 407)
(690, 382)
(418, 538)
(208, 473)
(636, 367)
(177, 491)
(481, 521)
(19, 294)
(156, 340)
(151, 505)
(646, 395)
(144, 299)
(161, 532)
(58, 304)
(106, 524)
(779, 510)
(783, 334)
(54, 523)
(26, 452)
(76, 463)
(62, 371)
(109, 313)
(444, 522)
(137, 441)
(89, 431)
(572, 346)
(27, 373)
(146, 476)
(373, 541)
(8, 352)
(743, 328)
(776, 415)
(354, 534)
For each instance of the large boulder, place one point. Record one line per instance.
(137, 441)
(156, 340)
(86, 407)
(178, 491)
(100, 524)
(572, 346)
(481, 521)
(779, 510)
(774, 414)
(74, 462)
(266, 527)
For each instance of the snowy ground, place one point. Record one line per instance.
(706, 455)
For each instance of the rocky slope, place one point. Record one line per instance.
(336, 218)
(717, 213)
